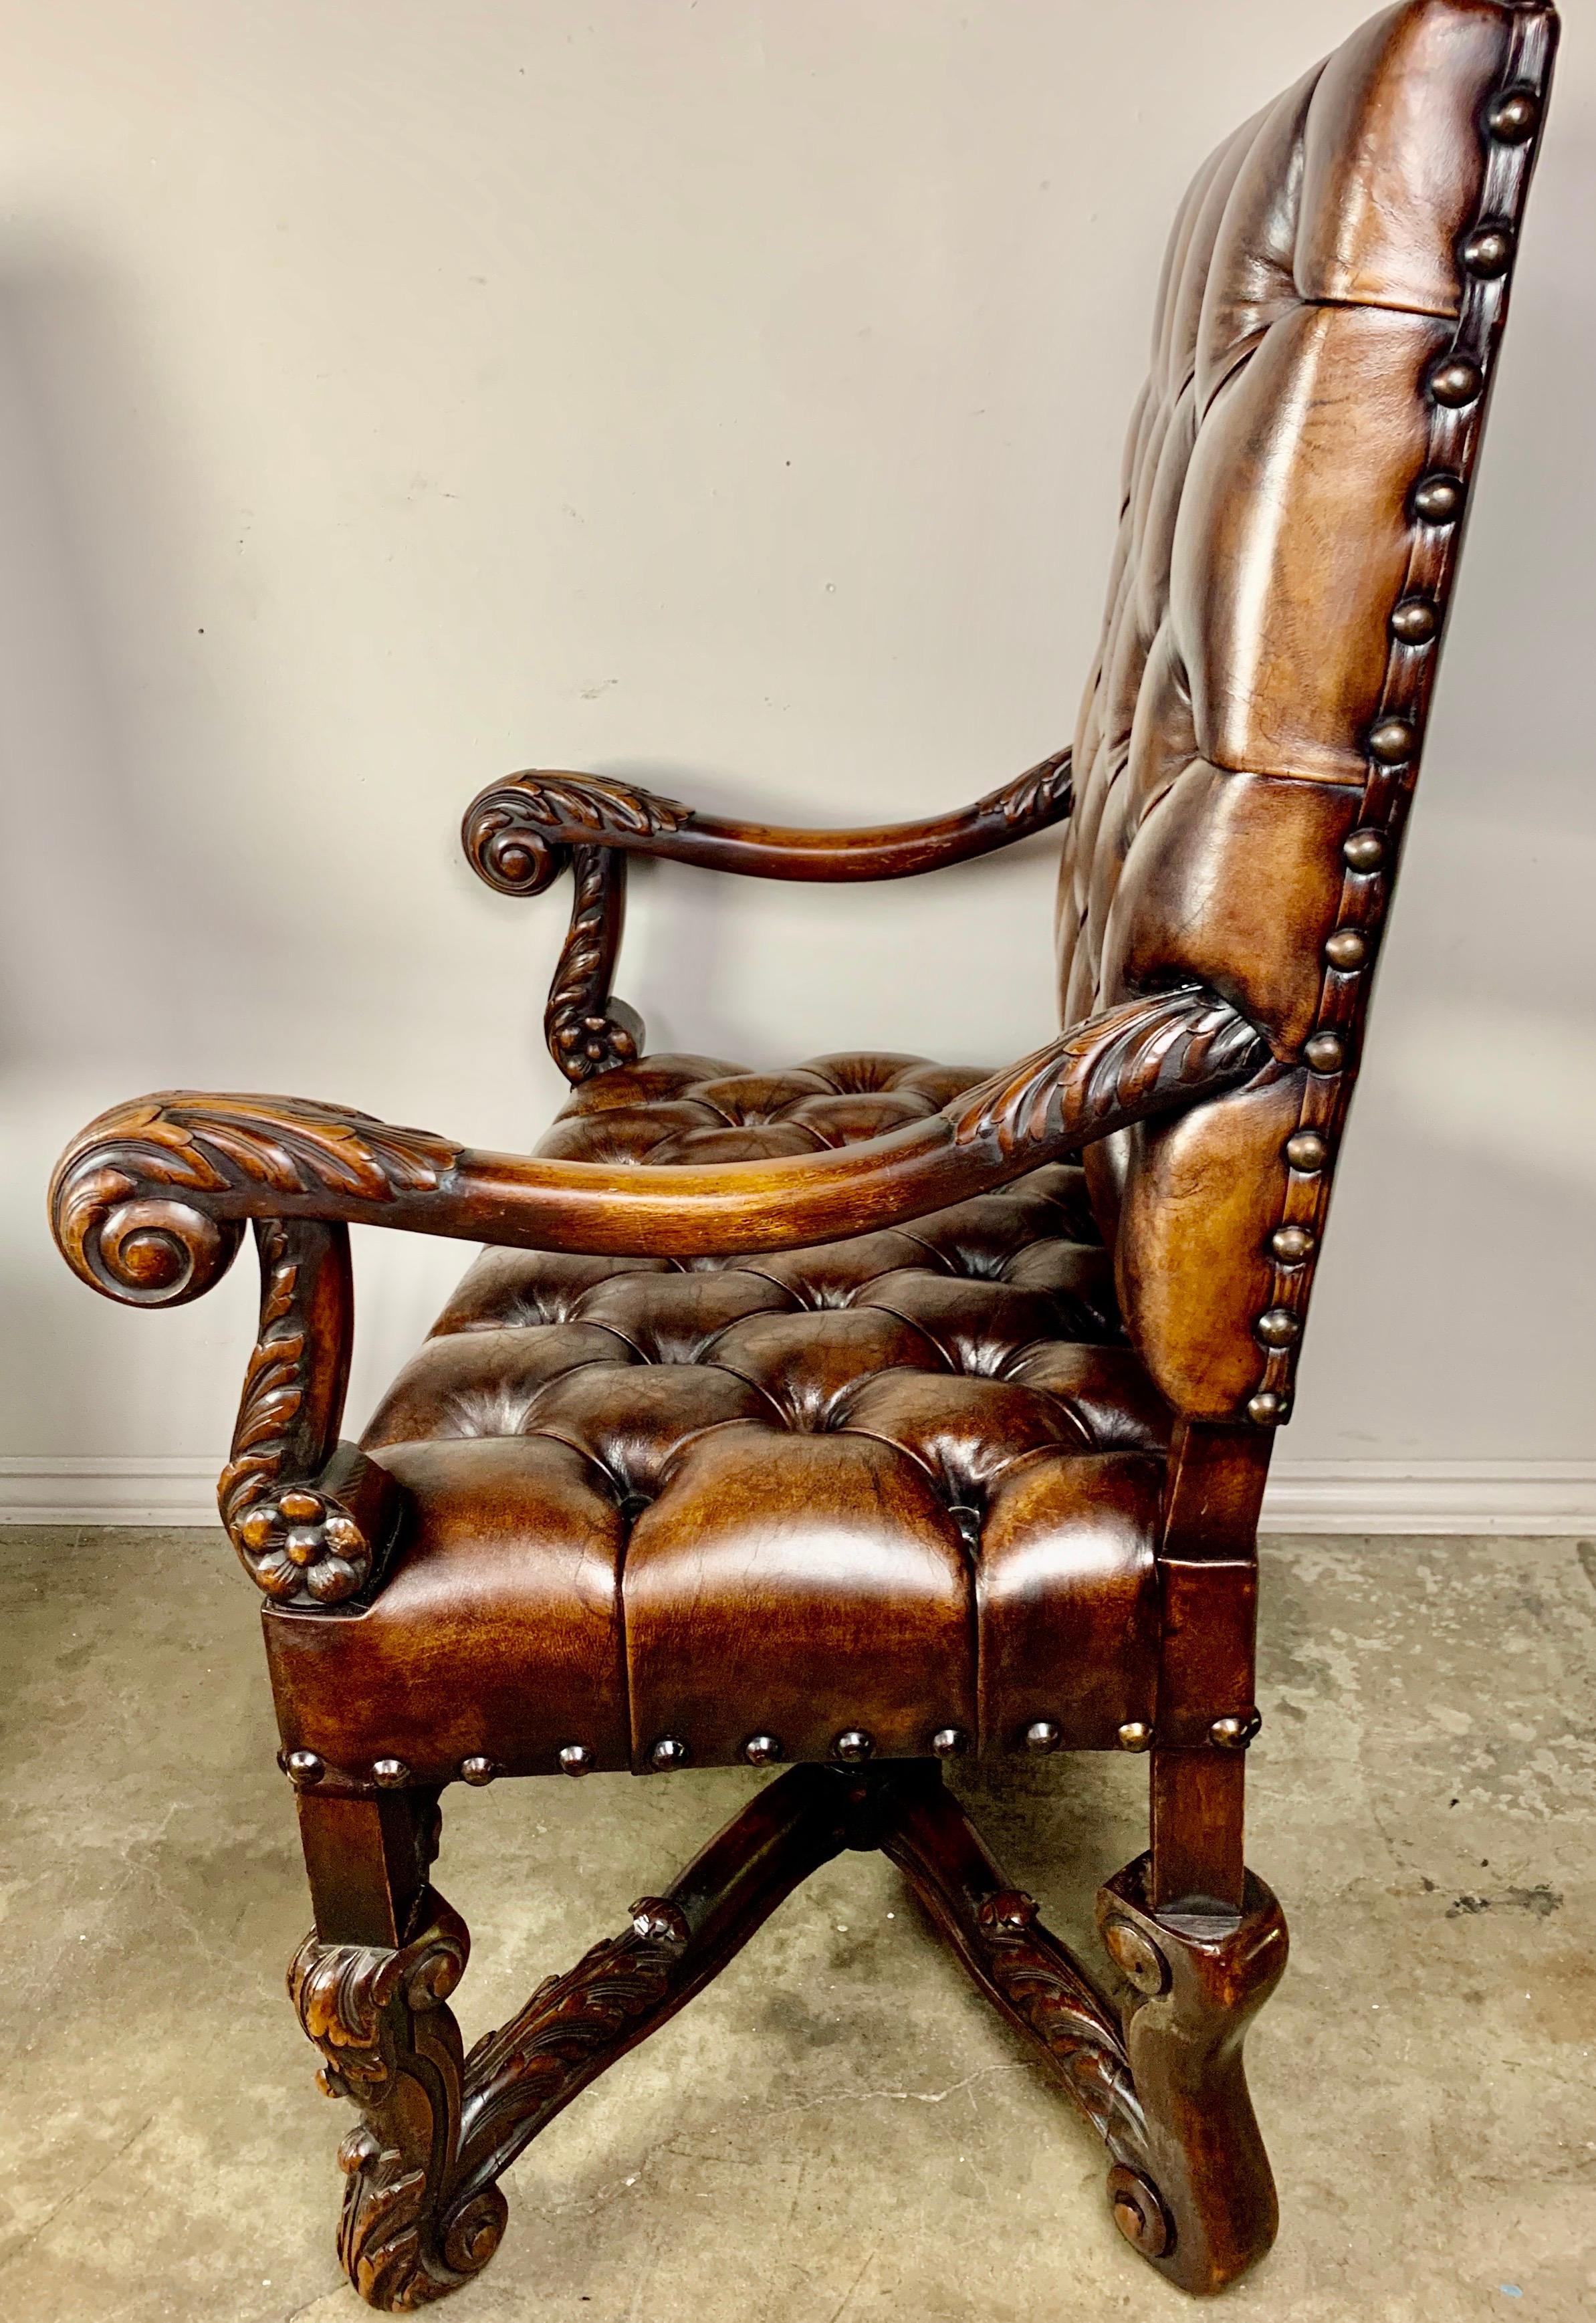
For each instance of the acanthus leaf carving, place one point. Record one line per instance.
(1042, 795)
(117, 1204)
(517, 833)
(1143, 1058)
(588, 1029)
(312, 1519)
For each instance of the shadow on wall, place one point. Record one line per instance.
(118, 937)
(706, 953)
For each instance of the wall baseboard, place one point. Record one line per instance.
(1343, 1496)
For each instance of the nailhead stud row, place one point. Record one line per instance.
(305, 1769)
(1454, 384)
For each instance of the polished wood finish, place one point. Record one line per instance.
(517, 833)
(148, 1204)
(313, 1520)
(1158, 2075)
(842, 1413)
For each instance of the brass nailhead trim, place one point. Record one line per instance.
(393, 1773)
(1488, 251)
(1438, 498)
(853, 1746)
(668, 1753)
(1291, 1244)
(1234, 1733)
(478, 1771)
(304, 1770)
(576, 1758)
(1456, 382)
(1266, 1408)
(948, 1741)
(762, 1750)
(1135, 1734)
(1041, 1736)
(1514, 116)
(1415, 620)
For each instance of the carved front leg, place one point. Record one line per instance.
(422, 2209)
(391, 2047)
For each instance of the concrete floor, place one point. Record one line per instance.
(839, 2131)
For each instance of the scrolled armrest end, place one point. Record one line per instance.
(517, 835)
(145, 1248)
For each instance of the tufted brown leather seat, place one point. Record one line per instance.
(909, 1481)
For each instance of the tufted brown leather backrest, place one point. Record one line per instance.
(1294, 484)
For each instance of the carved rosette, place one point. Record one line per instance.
(1134, 1060)
(312, 1519)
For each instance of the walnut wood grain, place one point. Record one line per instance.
(588, 1031)
(147, 1206)
(312, 1519)
(516, 832)
(1156, 2072)
(422, 2210)
(1159, 2076)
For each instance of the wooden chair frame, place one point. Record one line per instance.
(149, 1206)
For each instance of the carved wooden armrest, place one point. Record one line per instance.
(148, 1207)
(520, 834)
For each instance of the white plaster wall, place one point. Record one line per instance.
(731, 395)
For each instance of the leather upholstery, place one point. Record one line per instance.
(912, 1482)
(1267, 530)
(901, 1483)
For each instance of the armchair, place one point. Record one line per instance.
(859, 1416)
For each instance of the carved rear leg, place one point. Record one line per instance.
(422, 2209)
(1159, 2076)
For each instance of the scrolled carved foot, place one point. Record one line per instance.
(389, 2043)
(422, 2209)
(1198, 2197)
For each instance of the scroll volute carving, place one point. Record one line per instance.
(312, 1519)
